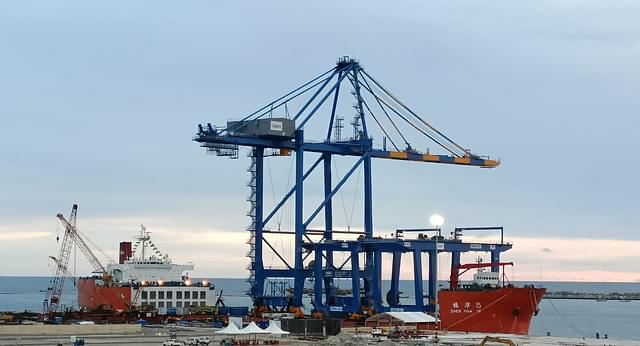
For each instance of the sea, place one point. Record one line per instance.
(558, 317)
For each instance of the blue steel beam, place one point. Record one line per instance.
(333, 109)
(334, 191)
(393, 298)
(290, 193)
(433, 278)
(328, 221)
(318, 279)
(314, 96)
(396, 247)
(353, 148)
(298, 283)
(406, 245)
(355, 279)
(324, 98)
(259, 265)
(377, 281)
(417, 278)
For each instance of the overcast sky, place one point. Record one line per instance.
(99, 103)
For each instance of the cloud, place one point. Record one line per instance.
(13, 236)
(222, 252)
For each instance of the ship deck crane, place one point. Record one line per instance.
(379, 114)
(455, 271)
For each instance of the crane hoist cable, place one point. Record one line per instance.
(287, 97)
(388, 116)
(84, 237)
(380, 126)
(375, 118)
(432, 137)
(364, 73)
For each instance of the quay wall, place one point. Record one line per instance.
(71, 329)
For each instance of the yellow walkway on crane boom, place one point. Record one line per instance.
(420, 157)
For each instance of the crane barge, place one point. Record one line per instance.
(138, 286)
(378, 114)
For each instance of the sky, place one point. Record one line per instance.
(100, 102)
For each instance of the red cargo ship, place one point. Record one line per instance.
(493, 310)
(485, 305)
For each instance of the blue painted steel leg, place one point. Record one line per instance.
(495, 258)
(368, 228)
(418, 283)
(328, 225)
(355, 280)
(455, 262)
(377, 281)
(394, 291)
(433, 279)
(317, 273)
(259, 269)
(298, 282)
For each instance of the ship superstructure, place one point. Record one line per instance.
(144, 262)
(144, 276)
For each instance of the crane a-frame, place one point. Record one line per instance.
(377, 113)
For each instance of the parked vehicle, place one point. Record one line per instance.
(204, 340)
(173, 342)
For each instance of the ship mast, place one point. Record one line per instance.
(144, 239)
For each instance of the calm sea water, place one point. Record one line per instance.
(560, 317)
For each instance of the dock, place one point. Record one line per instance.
(622, 297)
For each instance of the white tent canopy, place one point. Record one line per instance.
(274, 329)
(396, 318)
(252, 328)
(231, 329)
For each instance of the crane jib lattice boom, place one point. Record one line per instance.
(54, 293)
(71, 235)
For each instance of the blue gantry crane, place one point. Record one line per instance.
(378, 114)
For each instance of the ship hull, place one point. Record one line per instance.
(501, 310)
(94, 297)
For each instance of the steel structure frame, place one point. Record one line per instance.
(225, 142)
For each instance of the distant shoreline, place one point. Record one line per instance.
(244, 278)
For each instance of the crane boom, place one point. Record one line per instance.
(82, 245)
(71, 236)
(54, 293)
(455, 271)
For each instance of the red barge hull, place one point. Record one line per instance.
(499, 310)
(94, 297)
